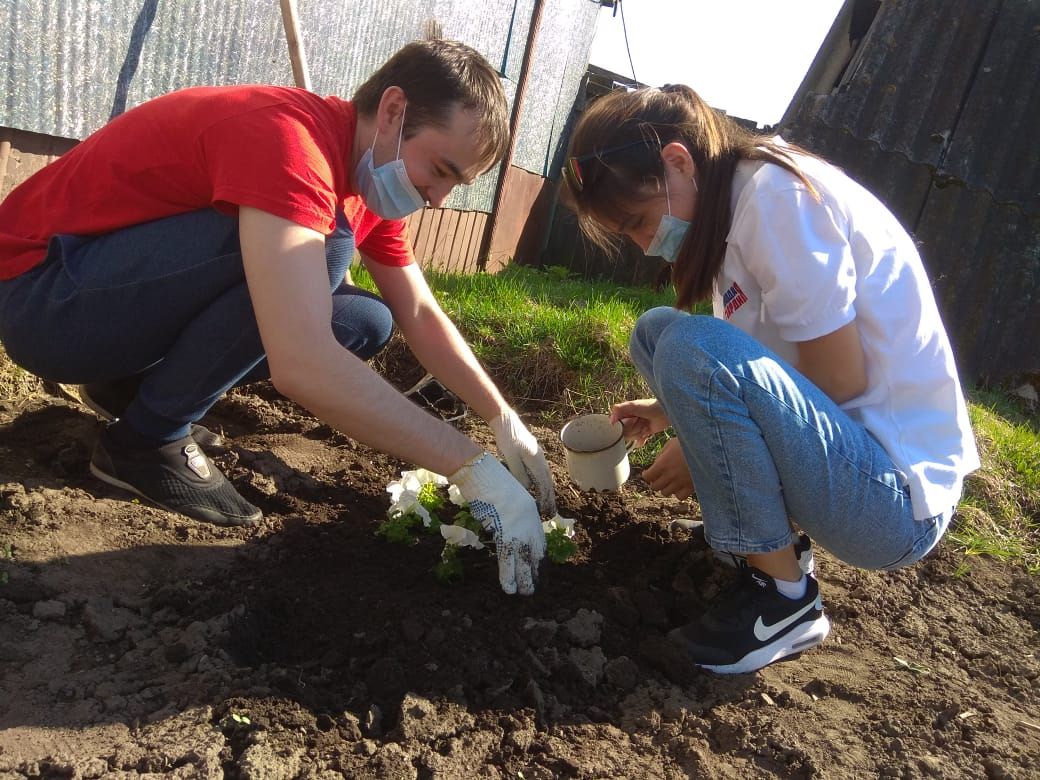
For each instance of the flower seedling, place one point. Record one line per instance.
(415, 501)
(560, 546)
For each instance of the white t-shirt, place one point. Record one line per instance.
(797, 269)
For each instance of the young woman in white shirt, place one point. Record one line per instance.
(822, 393)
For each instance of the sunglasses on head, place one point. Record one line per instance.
(572, 169)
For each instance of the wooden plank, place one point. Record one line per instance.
(442, 247)
(479, 226)
(435, 230)
(466, 254)
(422, 239)
(455, 263)
(458, 243)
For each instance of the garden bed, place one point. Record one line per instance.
(135, 641)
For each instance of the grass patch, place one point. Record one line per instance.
(552, 343)
(999, 515)
(15, 382)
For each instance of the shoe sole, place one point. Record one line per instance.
(799, 639)
(108, 479)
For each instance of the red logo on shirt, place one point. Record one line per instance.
(733, 299)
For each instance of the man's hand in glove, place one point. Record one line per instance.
(525, 458)
(509, 514)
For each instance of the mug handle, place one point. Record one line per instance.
(629, 446)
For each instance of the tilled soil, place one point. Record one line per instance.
(136, 642)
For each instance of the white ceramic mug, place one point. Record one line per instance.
(597, 455)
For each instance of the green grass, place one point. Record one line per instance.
(553, 343)
(999, 515)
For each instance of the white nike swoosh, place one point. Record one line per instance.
(764, 632)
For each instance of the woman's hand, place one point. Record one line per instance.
(669, 473)
(641, 419)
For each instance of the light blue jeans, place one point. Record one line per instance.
(764, 444)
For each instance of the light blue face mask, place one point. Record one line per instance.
(387, 190)
(670, 232)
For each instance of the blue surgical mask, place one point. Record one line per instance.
(387, 190)
(670, 233)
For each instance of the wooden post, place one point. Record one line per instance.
(297, 56)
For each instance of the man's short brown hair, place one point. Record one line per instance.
(435, 76)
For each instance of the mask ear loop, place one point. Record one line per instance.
(400, 137)
(667, 196)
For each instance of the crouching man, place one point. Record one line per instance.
(191, 245)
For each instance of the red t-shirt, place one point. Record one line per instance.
(283, 150)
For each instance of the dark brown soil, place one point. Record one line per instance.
(137, 642)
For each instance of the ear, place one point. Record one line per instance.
(677, 157)
(390, 110)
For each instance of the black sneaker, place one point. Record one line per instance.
(177, 476)
(752, 625)
(110, 399)
(802, 549)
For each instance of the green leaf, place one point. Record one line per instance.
(559, 547)
(400, 529)
(449, 570)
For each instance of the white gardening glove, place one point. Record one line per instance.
(525, 458)
(509, 514)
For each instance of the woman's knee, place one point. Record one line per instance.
(678, 345)
(644, 343)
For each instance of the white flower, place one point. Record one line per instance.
(426, 477)
(406, 484)
(404, 493)
(413, 481)
(406, 501)
(461, 537)
(455, 496)
(559, 522)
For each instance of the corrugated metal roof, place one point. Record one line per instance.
(984, 261)
(68, 63)
(954, 85)
(994, 146)
(937, 114)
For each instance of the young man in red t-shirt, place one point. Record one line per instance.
(190, 245)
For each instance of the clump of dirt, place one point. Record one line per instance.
(139, 642)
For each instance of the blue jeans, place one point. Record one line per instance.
(168, 300)
(764, 444)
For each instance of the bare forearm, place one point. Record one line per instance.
(344, 392)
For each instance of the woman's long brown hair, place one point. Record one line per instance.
(620, 172)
